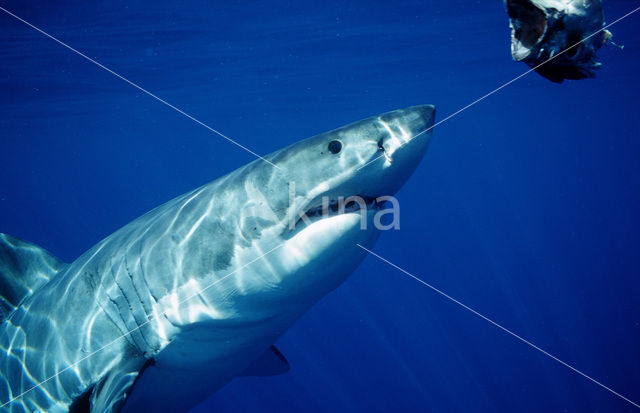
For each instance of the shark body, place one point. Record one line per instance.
(175, 304)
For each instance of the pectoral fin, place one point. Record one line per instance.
(110, 394)
(270, 363)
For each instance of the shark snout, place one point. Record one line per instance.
(401, 148)
(408, 131)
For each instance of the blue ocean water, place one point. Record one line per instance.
(525, 207)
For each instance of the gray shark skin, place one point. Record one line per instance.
(174, 305)
(542, 29)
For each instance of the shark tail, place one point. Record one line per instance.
(24, 267)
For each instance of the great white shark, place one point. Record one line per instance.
(175, 304)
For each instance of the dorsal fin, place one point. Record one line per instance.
(24, 267)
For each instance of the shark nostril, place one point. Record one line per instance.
(381, 144)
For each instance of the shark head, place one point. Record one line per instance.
(542, 29)
(308, 206)
(269, 239)
(331, 190)
(359, 162)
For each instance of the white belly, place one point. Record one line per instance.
(214, 336)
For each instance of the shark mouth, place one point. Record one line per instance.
(350, 204)
(333, 207)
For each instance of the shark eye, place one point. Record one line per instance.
(335, 146)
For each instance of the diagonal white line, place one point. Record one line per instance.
(498, 325)
(151, 317)
(506, 84)
(369, 251)
(138, 87)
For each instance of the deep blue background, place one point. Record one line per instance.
(525, 207)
